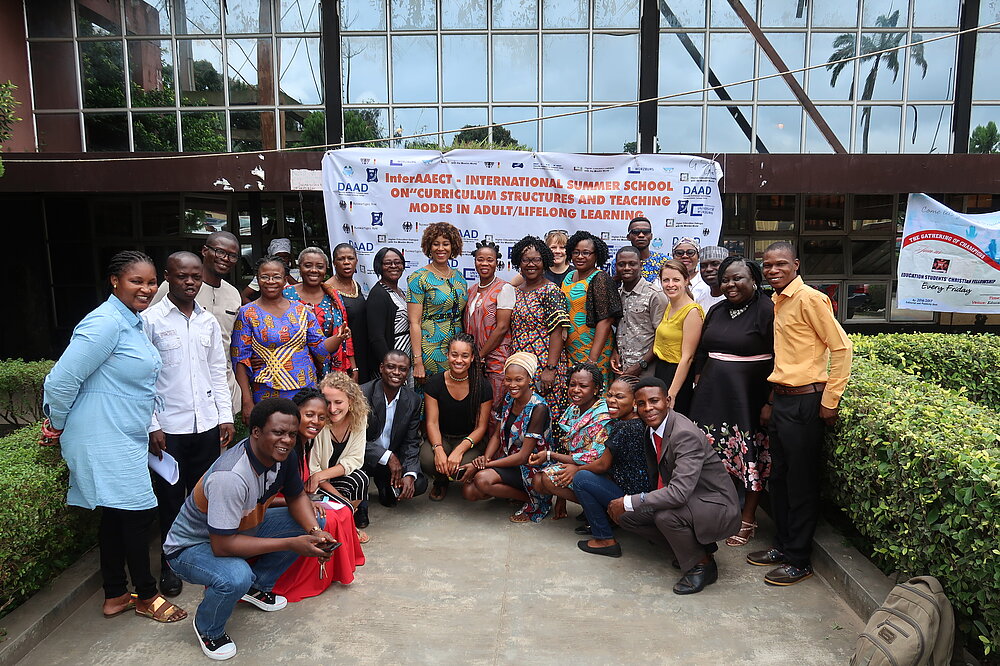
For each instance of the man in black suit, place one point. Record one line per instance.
(694, 504)
(392, 455)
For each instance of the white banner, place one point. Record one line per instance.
(949, 262)
(382, 197)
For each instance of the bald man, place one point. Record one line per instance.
(195, 420)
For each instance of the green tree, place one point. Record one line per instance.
(501, 136)
(362, 125)
(871, 44)
(985, 139)
(8, 104)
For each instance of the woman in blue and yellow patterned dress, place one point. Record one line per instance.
(438, 294)
(277, 345)
(594, 303)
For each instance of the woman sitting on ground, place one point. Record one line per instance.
(621, 470)
(523, 428)
(338, 451)
(584, 429)
(456, 414)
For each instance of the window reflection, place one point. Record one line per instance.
(414, 69)
(524, 133)
(515, 13)
(243, 16)
(252, 130)
(564, 135)
(50, 19)
(874, 12)
(147, 17)
(463, 68)
(363, 124)
(616, 67)
(833, 82)
(199, 67)
(105, 131)
(99, 19)
(299, 15)
(151, 72)
(783, 13)
(723, 15)
(681, 55)
(154, 132)
(835, 14)
(823, 212)
(775, 212)
(457, 118)
(679, 129)
(417, 121)
(871, 257)
(731, 59)
(838, 118)
(866, 302)
(872, 212)
(564, 72)
(822, 256)
(982, 137)
(463, 14)
(299, 81)
(362, 14)
(613, 129)
(244, 59)
(877, 129)
(932, 77)
(616, 13)
(879, 77)
(203, 131)
(935, 13)
(413, 14)
(197, 17)
(565, 13)
(682, 14)
(779, 127)
(54, 85)
(58, 133)
(760, 244)
(725, 134)
(364, 65)
(928, 129)
(987, 63)
(515, 68)
(103, 69)
(791, 46)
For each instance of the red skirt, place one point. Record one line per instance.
(302, 580)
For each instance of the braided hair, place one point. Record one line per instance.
(533, 242)
(594, 371)
(600, 247)
(629, 380)
(122, 260)
(487, 245)
(476, 376)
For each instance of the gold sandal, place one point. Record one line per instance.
(747, 530)
(162, 610)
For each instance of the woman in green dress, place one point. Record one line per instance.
(594, 303)
(438, 294)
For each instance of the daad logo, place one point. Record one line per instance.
(360, 188)
(348, 170)
(372, 175)
(470, 233)
(363, 247)
(377, 219)
(697, 190)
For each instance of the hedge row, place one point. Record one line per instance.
(967, 364)
(39, 535)
(916, 467)
(21, 390)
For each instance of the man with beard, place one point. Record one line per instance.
(710, 259)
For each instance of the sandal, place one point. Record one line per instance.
(162, 610)
(363, 537)
(519, 517)
(128, 606)
(746, 533)
(438, 492)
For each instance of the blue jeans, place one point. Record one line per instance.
(227, 579)
(595, 493)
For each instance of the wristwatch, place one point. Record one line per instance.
(643, 363)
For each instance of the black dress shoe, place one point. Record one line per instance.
(361, 516)
(386, 496)
(766, 558)
(170, 584)
(697, 578)
(787, 575)
(583, 530)
(582, 518)
(614, 550)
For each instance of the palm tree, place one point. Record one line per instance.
(871, 45)
(985, 139)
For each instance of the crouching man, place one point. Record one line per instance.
(226, 520)
(694, 504)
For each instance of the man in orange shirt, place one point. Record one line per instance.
(804, 399)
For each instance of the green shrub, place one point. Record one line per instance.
(21, 390)
(39, 535)
(916, 467)
(964, 363)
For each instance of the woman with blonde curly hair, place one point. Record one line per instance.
(438, 294)
(338, 451)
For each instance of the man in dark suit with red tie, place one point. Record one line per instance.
(694, 504)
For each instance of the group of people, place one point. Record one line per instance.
(663, 396)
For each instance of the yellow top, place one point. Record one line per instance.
(670, 333)
(807, 337)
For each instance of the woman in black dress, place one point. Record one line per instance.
(388, 320)
(345, 265)
(734, 359)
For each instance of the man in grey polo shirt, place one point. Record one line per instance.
(642, 309)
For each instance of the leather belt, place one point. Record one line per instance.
(817, 387)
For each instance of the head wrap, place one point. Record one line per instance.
(713, 253)
(689, 241)
(279, 245)
(525, 360)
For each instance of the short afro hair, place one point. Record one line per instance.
(533, 242)
(263, 410)
(600, 247)
(439, 229)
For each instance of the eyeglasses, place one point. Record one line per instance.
(556, 231)
(223, 254)
(685, 253)
(530, 261)
(392, 264)
(582, 253)
(271, 278)
(640, 232)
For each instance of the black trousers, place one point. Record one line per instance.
(124, 540)
(796, 437)
(195, 454)
(383, 482)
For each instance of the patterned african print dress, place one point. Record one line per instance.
(592, 299)
(443, 300)
(281, 353)
(583, 435)
(536, 314)
(481, 320)
(330, 314)
(538, 506)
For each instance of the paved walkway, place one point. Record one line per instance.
(454, 582)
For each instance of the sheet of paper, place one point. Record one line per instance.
(336, 506)
(165, 467)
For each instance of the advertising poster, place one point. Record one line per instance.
(948, 261)
(384, 197)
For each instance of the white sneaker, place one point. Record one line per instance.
(266, 601)
(219, 649)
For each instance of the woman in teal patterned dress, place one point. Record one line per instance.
(438, 294)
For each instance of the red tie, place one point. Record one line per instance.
(658, 446)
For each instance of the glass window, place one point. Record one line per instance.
(725, 133)
(103, 70)
(49, 19)
(832, 291)
(53, 75)
(299, 65)
(147, 17)
(931, 69)
(302, 128)
(463, 68)
(243, 59)
(564, 135)
(981, 203)
(679, 129)
(736, 212)
(791, 46)
(524, 133)
(761, 244)
(197, 17)
(731, 58)
(885, 13)
(684, 14)
(160, 218)
(362, 14)
(835, 14)
(203, 215)
(612, 129)
(414, 69)
(723, 15)
(877, 129)
(98, 19)
(368, 123)
(154, 132)
(151, 68)
(871, 257)
(736, 246)
(203, 131)
(199, 68)
(936, 13)
(783, 13)
(833, 82)
(457, 118)
(106, 131)
(616, 67)
(515, 68)
(982, 137)
(881, 81)
(616, 13)
(928, 129)
(413, 14)
(565, 13)
(365, 69)
(865, 302)
(564, 72)
(515, 14)
(463, 14)
(822, 256)
(243, 16)
(987, 64)
(823, 212)
(872, 212)
(839, 120)
(58, 133)
(251, 130)
(775, 212)
(897, 313)
(299, 15)
(989, 12)
(779, 128)
(417, 121)
(681, 57)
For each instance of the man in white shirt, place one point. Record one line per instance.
(195, 420)
(686, 251)
(711, 258)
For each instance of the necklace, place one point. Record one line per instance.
(456, 379)
(736, 312)
(487, 285)
(431, 268)
(353, 294)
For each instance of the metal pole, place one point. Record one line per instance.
(330, 13)
(649, 65)
(961, 129)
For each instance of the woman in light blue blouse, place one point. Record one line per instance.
(99, 398)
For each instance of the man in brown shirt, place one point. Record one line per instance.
(804, 399)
